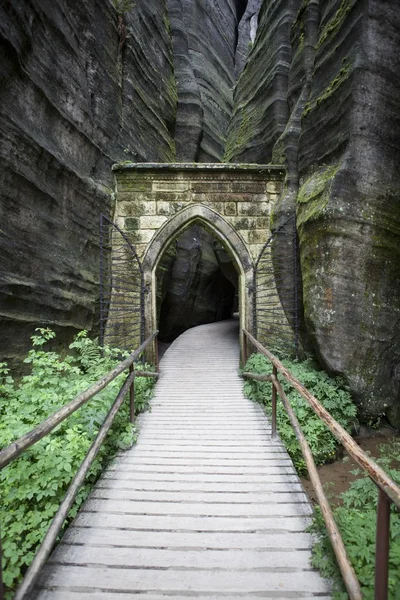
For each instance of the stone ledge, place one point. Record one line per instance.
(232, 167)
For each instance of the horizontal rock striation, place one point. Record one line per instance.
(210, 46)
(340, 141)
(260, 105)
(348, 209)
(81, 88)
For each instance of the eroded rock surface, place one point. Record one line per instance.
(327, 106)
(83, 86)
(210, 41)
(80, 89)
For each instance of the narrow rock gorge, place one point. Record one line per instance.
(309, 84)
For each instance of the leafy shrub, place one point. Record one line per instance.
(356, 520)
(33, 486)
(330, 392)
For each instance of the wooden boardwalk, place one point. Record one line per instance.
(204, 506)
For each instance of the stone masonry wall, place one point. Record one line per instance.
(148, 195)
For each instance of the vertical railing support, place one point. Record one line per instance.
(273, 424)
(132, 397)
(157, 360)
(382, 546)
(244, 349)
(101, 276)
(295, 291)
(1, 574)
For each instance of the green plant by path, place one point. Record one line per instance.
(357, 523)
(330, 392)
(357, 517)
(33, 486)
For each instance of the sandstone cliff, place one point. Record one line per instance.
(81, 87)
(320, 94)
(84, 85)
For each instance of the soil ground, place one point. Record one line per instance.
(336, 477)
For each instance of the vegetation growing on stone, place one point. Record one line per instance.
(334, 23)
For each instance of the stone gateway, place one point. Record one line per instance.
(156, 203)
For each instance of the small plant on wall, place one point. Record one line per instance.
(122, 7)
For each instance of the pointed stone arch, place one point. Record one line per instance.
(216, 224)
(210, 219)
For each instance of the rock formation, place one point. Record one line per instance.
(320, 94)
(210, 41)
(81, 88)
(85, 85)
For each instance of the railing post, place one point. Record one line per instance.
(382, 546)
(132, 397)
(1, 574)
(245, 351)
(157, 361)
(273, 424)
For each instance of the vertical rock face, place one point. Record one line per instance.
(348, 206)
(261, 108)
(336, 74)
(84, 85)
(80, 89)
(206, 38)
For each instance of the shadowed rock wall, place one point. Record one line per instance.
(194, 289)
(84, 86)
(327, 106)
(79, 90)
(211, 41)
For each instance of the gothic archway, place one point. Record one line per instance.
(224, 232)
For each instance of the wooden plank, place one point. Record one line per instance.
(202, 509)
(205, 506)
(199, 540)
(246, 498)
(251, 560)
(187, 486)
(207, 581)
(67, 594)
(153, 522)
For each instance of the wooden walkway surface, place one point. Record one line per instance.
(204, 506)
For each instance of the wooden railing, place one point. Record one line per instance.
(388, 490)
(15, 449)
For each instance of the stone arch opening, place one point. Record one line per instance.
(223, 234)
(197, 283)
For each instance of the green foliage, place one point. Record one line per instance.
(123, 6)
(330, 392)
(33, 486)
(356, 520)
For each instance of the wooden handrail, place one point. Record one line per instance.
(377, 474)
(389, 491)
(19, 446)
(348, 573)
(14, 450)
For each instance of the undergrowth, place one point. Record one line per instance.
(33, 486)
(356, 519)
(330, 392)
